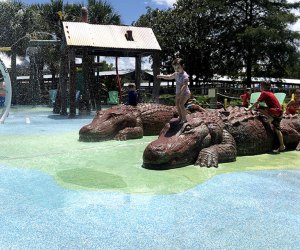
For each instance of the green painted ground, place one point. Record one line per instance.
(116, 165)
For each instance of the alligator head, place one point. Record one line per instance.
(178, 144)
(108, 123)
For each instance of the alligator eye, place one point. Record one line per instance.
(187, 128)
(114, 115)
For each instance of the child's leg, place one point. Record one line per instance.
(266, 113)
(280, 138)
(177, 102)
(182, 102)
(276, 123)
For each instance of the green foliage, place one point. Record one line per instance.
(167, 99)
(203, 100)
(235, 102)
(226, 37)
(101, 12)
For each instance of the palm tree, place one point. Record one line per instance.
(101, 12)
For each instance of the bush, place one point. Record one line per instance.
(203, 100)
(167, 99)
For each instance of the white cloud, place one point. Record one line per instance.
(164, 2)
(296, 26)
(7, 59)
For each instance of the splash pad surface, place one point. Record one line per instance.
(79, 195)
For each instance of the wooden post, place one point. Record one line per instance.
(138, 70)
(118, 81)
(15, 90)
(156, 82)
(63, 75)
(72, 84)
(84, 103)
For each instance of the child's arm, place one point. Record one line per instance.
(251, 106)
(166, 77)
(260, 99)
(289, 103)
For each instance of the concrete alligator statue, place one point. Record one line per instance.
(210, 138)
(125, 122)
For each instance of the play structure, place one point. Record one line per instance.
(6, 92)
(124, 122)
(207, 139)
(88, 41)
(210, 138)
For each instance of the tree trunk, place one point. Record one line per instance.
(249, 45)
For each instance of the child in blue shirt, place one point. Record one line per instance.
(132, 95)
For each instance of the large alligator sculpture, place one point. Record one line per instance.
(125, 122)
(210, 138)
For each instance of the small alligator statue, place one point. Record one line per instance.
(210, 138)
(125, 122)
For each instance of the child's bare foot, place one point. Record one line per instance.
(280, 149)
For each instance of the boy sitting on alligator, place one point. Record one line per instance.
(273, 112)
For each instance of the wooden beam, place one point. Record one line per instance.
(14, 85)
(72, 84)
(138, 71)
(156, 82)
(35, 43)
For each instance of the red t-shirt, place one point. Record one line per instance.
(293, 107)
(273, 104)
(246, 98)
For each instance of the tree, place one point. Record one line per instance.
(101, 12)
(227, 37)
(267, 45)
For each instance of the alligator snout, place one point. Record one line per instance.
(154, 155)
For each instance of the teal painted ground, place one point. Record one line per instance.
(50, 143)
(244, 210)
(58, 193)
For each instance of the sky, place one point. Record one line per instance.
(129, 10)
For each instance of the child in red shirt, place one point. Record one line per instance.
(294, 105)
(246, 97)
(273, 112)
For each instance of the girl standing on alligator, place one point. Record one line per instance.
(183, 92)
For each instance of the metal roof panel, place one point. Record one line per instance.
(109, 36)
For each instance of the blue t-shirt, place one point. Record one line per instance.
(132, 98)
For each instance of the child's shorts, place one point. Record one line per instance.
(277, 116)
(276, 122)
(275, 112)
